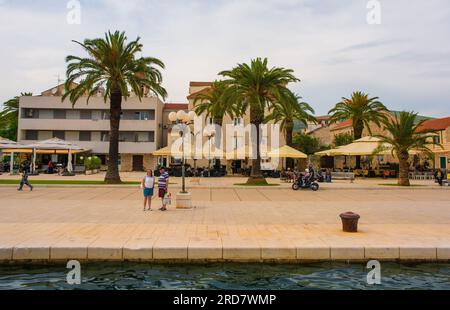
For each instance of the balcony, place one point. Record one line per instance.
(84, 125)
(100, 147)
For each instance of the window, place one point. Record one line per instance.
(151, 115)
(105, 115)
(31, 135)
(85, 114)
(151, 136)
(144, 115)
(209, 121)
(30, 113)
(59, 114)
(85, 136)
(238, 121)
(59, 134)
(128, 136)
(437, 139)
(105, 136)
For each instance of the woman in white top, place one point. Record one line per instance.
(148, 184)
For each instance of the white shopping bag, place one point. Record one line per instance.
(167, 200)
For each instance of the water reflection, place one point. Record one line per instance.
(113, 276)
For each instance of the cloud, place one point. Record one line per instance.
(368, 45)
(328, 44)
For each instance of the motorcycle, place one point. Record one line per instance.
(301, 183)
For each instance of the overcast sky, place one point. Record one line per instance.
(405, 60)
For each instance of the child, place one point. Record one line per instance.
(163, 186)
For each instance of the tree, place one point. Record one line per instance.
(212, 102)
(9, 117)
(362, 110)
(113, 66)
(343, 139)
(307, 144)
(405, 136)
(256, 87)
(286, 111)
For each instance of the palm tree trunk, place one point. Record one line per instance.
(112, 175)
(218, 135)
(289, 129)
(357, 134)
(256, 176)
(403, 177)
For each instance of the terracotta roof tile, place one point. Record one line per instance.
(176, 106)
(435, 124)
(343, 124)
(197, 84)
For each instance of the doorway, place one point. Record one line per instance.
(443, 162)
(138, 163)
(236, 166)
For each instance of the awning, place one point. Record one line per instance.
(286, 152)
(56, 146)
(9, 146)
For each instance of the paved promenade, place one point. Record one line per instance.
(249, 224)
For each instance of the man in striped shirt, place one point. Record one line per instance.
(163, 186)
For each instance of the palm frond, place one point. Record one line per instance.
(112, 64)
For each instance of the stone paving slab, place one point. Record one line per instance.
(54, 224)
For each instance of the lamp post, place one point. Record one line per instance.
(183, 119)
(210, 134)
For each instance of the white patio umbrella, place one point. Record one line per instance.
(33, 163)
(58, 146)
(69, 162)
(9, 146)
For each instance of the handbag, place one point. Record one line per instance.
(167, 200)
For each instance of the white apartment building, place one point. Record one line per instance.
(87, 125)
(144, 127)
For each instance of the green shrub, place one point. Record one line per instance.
(96, 162)
(343, 139)
(92, 162)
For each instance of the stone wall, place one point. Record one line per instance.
(324, 135)
(126, 162)
(150, 162)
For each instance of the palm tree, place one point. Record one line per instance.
(113, 66)
(9, 117)
(289, 110)
(362, 110)
(404, 136)
(211, 102)
(256, 87)
(286, 112)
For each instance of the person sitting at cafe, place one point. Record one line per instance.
(50, 167)
(439, 176)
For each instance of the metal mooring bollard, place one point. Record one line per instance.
(349, 221)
